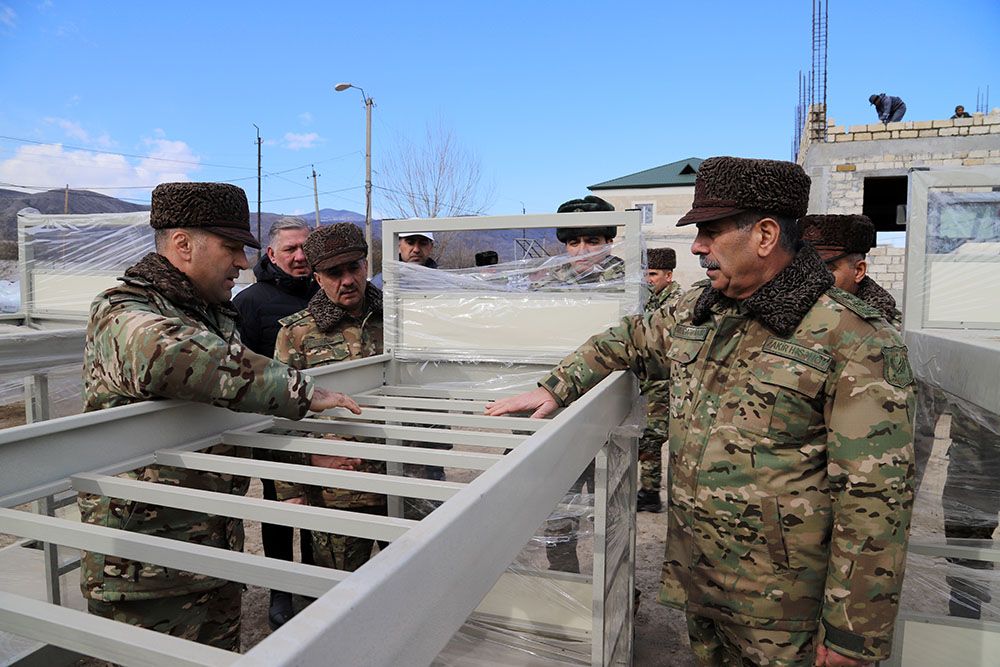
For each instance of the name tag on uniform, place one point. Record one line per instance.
(818, 360)
(689, 333)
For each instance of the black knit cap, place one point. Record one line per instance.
(588, 204)
(487, 258)
(661, 259)
(219, 208)
(843, 233)
(337, 244)
(727, 186)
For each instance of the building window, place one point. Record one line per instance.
(647, 212)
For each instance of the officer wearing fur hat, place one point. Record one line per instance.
(660, 265)
(588, 248)
(342, 321)
(842, 242)
(169, 331)
(790, 476)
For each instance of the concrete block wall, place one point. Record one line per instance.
(885, 266)
(979, 124)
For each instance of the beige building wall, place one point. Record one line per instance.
(669, 204)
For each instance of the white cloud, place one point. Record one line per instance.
(8, 16)
(297, 142)
(305, 118)
(75, 131)
(53, 166)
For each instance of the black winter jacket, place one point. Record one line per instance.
(275, 295)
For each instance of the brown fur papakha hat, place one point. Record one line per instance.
(219, 208)
(727, 186)
(661, 259)
(844, 233)
(588, 204)
(337, 244)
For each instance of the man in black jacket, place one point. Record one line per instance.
(284, 286)
(890, 109)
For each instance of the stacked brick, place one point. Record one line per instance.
(885, 266)
(916, 129)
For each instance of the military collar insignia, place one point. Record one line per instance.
(328, 314)
(781, 303)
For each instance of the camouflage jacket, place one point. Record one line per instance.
(878, 298)
(657, 392)
(790, 475)
(153, 337)
(324, 334)
(608, 270)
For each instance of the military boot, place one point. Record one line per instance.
(648, 500)
(280, 610)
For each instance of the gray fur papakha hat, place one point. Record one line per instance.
(588, 204)
(661, 259)
(727, 186)
(844, 233)
(219, 208)
(337, 244)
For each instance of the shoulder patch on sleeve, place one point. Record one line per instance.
(293, 318)
(896, 366)
(853, 303)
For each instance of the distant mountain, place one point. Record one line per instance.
(53, 201)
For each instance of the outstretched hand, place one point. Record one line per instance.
(324, 399)
(538, 402)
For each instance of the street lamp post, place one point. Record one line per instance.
(369, 103)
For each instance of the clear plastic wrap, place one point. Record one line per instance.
(952, 329)
(64, 394)
(515, 310)
(68, 259)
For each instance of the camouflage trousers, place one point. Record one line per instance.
(345, 552)
(650, 456)
(208, 617)
(563, 526)
(719, 644)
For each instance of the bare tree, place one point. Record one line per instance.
(438, 178)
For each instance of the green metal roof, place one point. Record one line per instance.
(677, 173)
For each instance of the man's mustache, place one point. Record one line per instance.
(707, 263)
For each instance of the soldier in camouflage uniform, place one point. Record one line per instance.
(169, 331)
(790, 471)
(342, 321)
(660, 265)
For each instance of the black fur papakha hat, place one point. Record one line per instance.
(219, 208)
(661, 259)
(727, 186)
(847, 234)
(337, 244)
(588, 204)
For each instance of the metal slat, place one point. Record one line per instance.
(341, 522)
(102, 638)
(417, 433)
(443, 419)
(421, 392)
(376, 401)
(363, 450)
(392, 485)
(189, 556)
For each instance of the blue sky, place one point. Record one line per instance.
(551, 96)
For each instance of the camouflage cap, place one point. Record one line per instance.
(727, 186)
(844, 233)
(661, 259)
(336, 244)
(219, 208)
(588, 204)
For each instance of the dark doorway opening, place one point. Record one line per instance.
(882, 198)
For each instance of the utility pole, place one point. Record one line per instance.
(369, 103)
(259, 142)
(316, 195)
(66, 200)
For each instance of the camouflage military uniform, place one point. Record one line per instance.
(154, 337)
(657, 393)
(608, 270)
(790, 456)
(324, 334)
